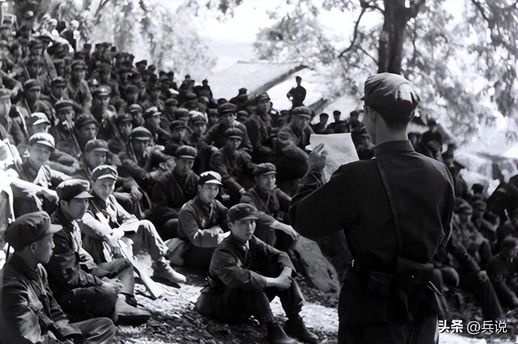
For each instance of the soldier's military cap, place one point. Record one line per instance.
(58, 81)
(198, 119)
(210, 177)
(152, 112)
(73, 188)
(130, 88)
(336, 113)
(242, 90)
(30, 228)
(242, 114)
(96, 145)
(151, 68)
(186, 152)
(242, 211)
(35, 43)
(45, 37)
(323, 114)
(175, 125)
(85, 119)
(5, 93)
(181, 113)
(135, 108)
(262, 97)
(104, 172)
(233, 133)
(123, 118)
(31, 84)
(104, 67)
(190, 96)
(101, 91)
(302, 111)
(38, 118)
(171, 102)
(264, 168)
(464, 208)
(391, 95)
(141, 62)
(78, 64)
(140, 134)
(62, 104)
(45, 139)
(226, 108)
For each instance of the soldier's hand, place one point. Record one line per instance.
(284, 282)
(135, 193)
(482, 276)
(317, 157)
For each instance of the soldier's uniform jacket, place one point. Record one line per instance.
(195, 218)
(259, 128)
(172, 191)
(301, 137)
(205, 151)
(355, 200)
(29, 310)
(70, 265)
(107, 128)
(80, 94)
(66, 140)
(474, 242)
(502, 271)
(271, 206)
(44, 176)
(505, 230)
(11, 130)
(139, 168)
(234, 169)
(238, 265)
(215, 136)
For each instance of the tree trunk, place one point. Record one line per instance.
(390, 48)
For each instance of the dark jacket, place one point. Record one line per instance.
(355, 201)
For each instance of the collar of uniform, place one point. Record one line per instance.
(204, 206)
(393, 146)
(244, 246)
(21, 266)
(102, 204)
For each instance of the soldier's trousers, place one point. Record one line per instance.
(419, 331)
(88, 302)
(97, 331)
(236, 305)
(484, 293)
(147, 239)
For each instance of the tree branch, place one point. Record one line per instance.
(480, 9)
(355, 33)
(101, 5)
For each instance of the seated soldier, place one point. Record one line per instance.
(246, 274)
(198, 125)
(177, 138)
(272, 205)
(171, 191)
(502, 271)
(28, 311)
(82, 287)
(35, 169)
(227, 119)
(124, 124)
(202, 223)
(106, 222)
(291, 163)
(298, 127)
(234, 165)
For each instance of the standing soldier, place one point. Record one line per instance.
(29, 311)
(297, 94)
(386, 294)
(246, 274)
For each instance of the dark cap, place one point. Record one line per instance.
(96, 145)
(171, 102)
(198, 119)
(210, 177)
(186, 152)
(63, 104)
(38, 118)
(31, 84)
(78, 64)
(181, 112)
(58, 81)
(152, 112)
(140, 134)
(123, 118)
(130, 88)
(464, 208)
(190, 96)
(101, 91)
(336, 113)
(104, 172)
(73, 188)
(175, 125)
(233, 133)
(135, 108)
(29, 228)
(242, 211)
(83, 120)
(227, 107)
(302, 111)
(262, 97)
(141, 62)
(391, 95)
(45, 139)
(264, 168)
(35, 43)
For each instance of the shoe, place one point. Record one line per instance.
(129, 315)
(131, 300)
(162, 271)
(276, 335)
(295, 328)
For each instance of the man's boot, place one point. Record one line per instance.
(276, 335)
(129, 315)
(162, 271)
(295, 327)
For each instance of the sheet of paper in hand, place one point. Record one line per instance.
(340, 150)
